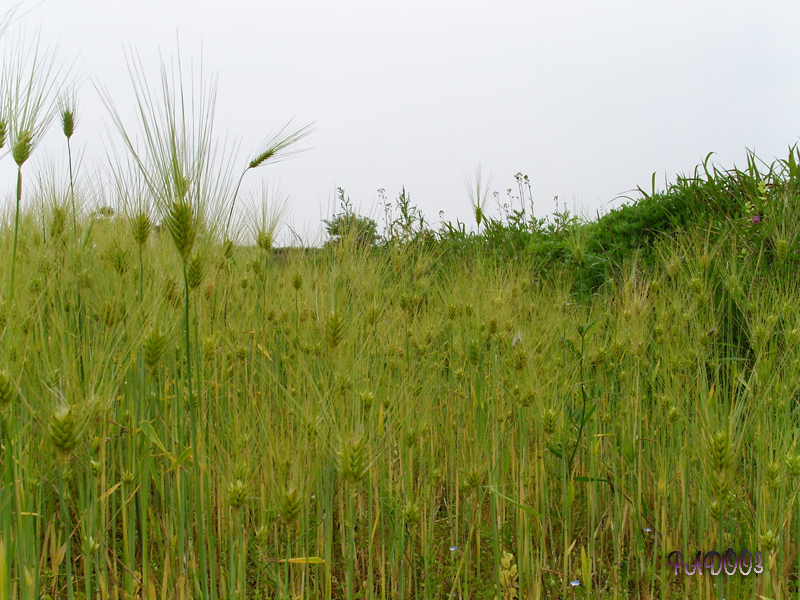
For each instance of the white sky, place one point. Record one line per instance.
(588, 98)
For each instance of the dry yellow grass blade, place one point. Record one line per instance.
(303, 560)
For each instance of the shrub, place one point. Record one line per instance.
(348, 226)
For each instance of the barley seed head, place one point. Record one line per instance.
(474, 477)
(549, 421)
(492, 326)
(196, 270)
(367, 399)
(68, 122)
(262, 535)
(353, 459)
(182, 227)
(793, 464)
(410, 434)
(142, 226)
(58, 222)
(519, 358)
(526, 398)
(720, 485)
(404, 301)
(241, 469)
(209, 348)
(92, 545)
(452, 312)
(673, 413)
(696, 284)
(118, 258)
(372, 314)
(6, 392)
(154, 347)
(721, 450)
(171, 292)
(782, 249)
(280, 145)
(334, 329)
(237, 494)
(67, 107)
(411, 512)
(264, 239)
(290, 506)
(23, 145)
(715, 509)
(297, 281)
(241, 353)
(769, 541)
(227, 249)
(64, 431)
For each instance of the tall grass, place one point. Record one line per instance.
(409, 420)
(218, 419)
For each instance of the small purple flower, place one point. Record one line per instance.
(647, 529)
(453, 548)
(756, 218)
(575, 583)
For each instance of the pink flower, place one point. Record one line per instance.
(756, 218)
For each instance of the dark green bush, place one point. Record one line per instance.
(348, 226)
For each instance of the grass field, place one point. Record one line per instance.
(526, 412)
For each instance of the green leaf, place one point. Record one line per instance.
(176, 462)
(151, 433)
(517, 504)
(556, 450)
(589, 413)
(593, 480)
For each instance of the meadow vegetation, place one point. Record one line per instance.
(536, 409)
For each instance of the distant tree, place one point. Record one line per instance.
(348, 226)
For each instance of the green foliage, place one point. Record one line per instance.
(490, 413)
(406, 225)
(348, 227)
(416, 404)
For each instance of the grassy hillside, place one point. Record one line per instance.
(417, 416)
(536, 409)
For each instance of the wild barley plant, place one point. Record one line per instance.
(279, 146)
(6, 398)
(30, 79)
(268, 210)
(67, 109)
(135, 197)
(183, 174)
(478, 195)
(65, 430)
(353, 463)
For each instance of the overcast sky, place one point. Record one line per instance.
(587, 98)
